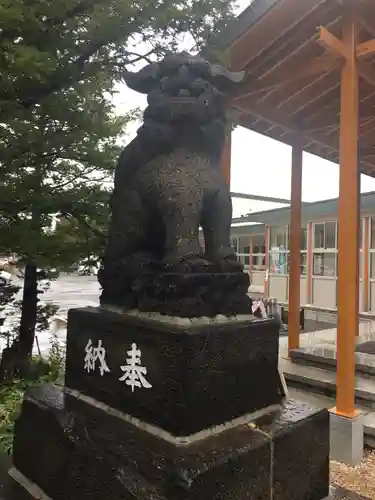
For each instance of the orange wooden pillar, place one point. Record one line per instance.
(295, 250)
(348, 224)
(226, 159)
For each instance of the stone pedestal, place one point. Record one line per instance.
(198, 373)
(155, 409)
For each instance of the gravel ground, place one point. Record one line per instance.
(360, 479)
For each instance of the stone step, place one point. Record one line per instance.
(326, 359)
(324, 382)
(321, 401)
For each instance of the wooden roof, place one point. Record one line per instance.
(292, 92)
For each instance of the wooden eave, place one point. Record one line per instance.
(292, 91)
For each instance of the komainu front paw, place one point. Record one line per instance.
(190, 263)
(227, 260)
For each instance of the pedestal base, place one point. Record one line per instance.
(20, 488)
(195, 294)
(76, 451)
(194, 376)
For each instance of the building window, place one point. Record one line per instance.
(325, 249)
(325, 235)
(245, 260)
(241, 245)
(258, 258)
(234, 244)
(244, 245)
(330, 236)
(279, 253)
(324, 264)
(303, 263)
(303, 258)
(372, 265)
(279, 257)
(279, 237)
(372, 233)
(304, 237)
(319, 235)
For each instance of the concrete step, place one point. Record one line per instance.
(322, 381)
(321, 401)
(326, 360)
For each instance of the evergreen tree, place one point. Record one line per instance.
(59, 158)
(48, 46)
(59, 135)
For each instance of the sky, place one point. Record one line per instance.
(262, 166)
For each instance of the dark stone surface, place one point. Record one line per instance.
(200, 375)
(80, 452)
(300, 437)
(13, 491)
(195, 295)
(168, 183)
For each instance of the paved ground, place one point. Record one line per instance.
(73, 291)
(67, 292)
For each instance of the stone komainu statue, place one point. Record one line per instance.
(168, 183)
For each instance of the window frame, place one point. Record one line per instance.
(317, 250)
(371, 250)
(259, 255)
(325, 248)
(284, 251)
(242, 257)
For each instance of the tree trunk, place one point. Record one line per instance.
(16, 359)
(29, 313)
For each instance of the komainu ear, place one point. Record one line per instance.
(224, 80)
(145, 79)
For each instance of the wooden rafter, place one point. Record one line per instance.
(366, 48)
(367, 153)
(365, 15)
(367, 72)
(286, 49)
(332, 44)
(293, 91)
(278, 22)
(294, 128)
(309, 98)
(290, 126)
(288, 74)
(295, 57)
(338, 49)
(332, 120)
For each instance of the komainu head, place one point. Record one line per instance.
(186, 100)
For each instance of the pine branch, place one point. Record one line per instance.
(81, 220)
